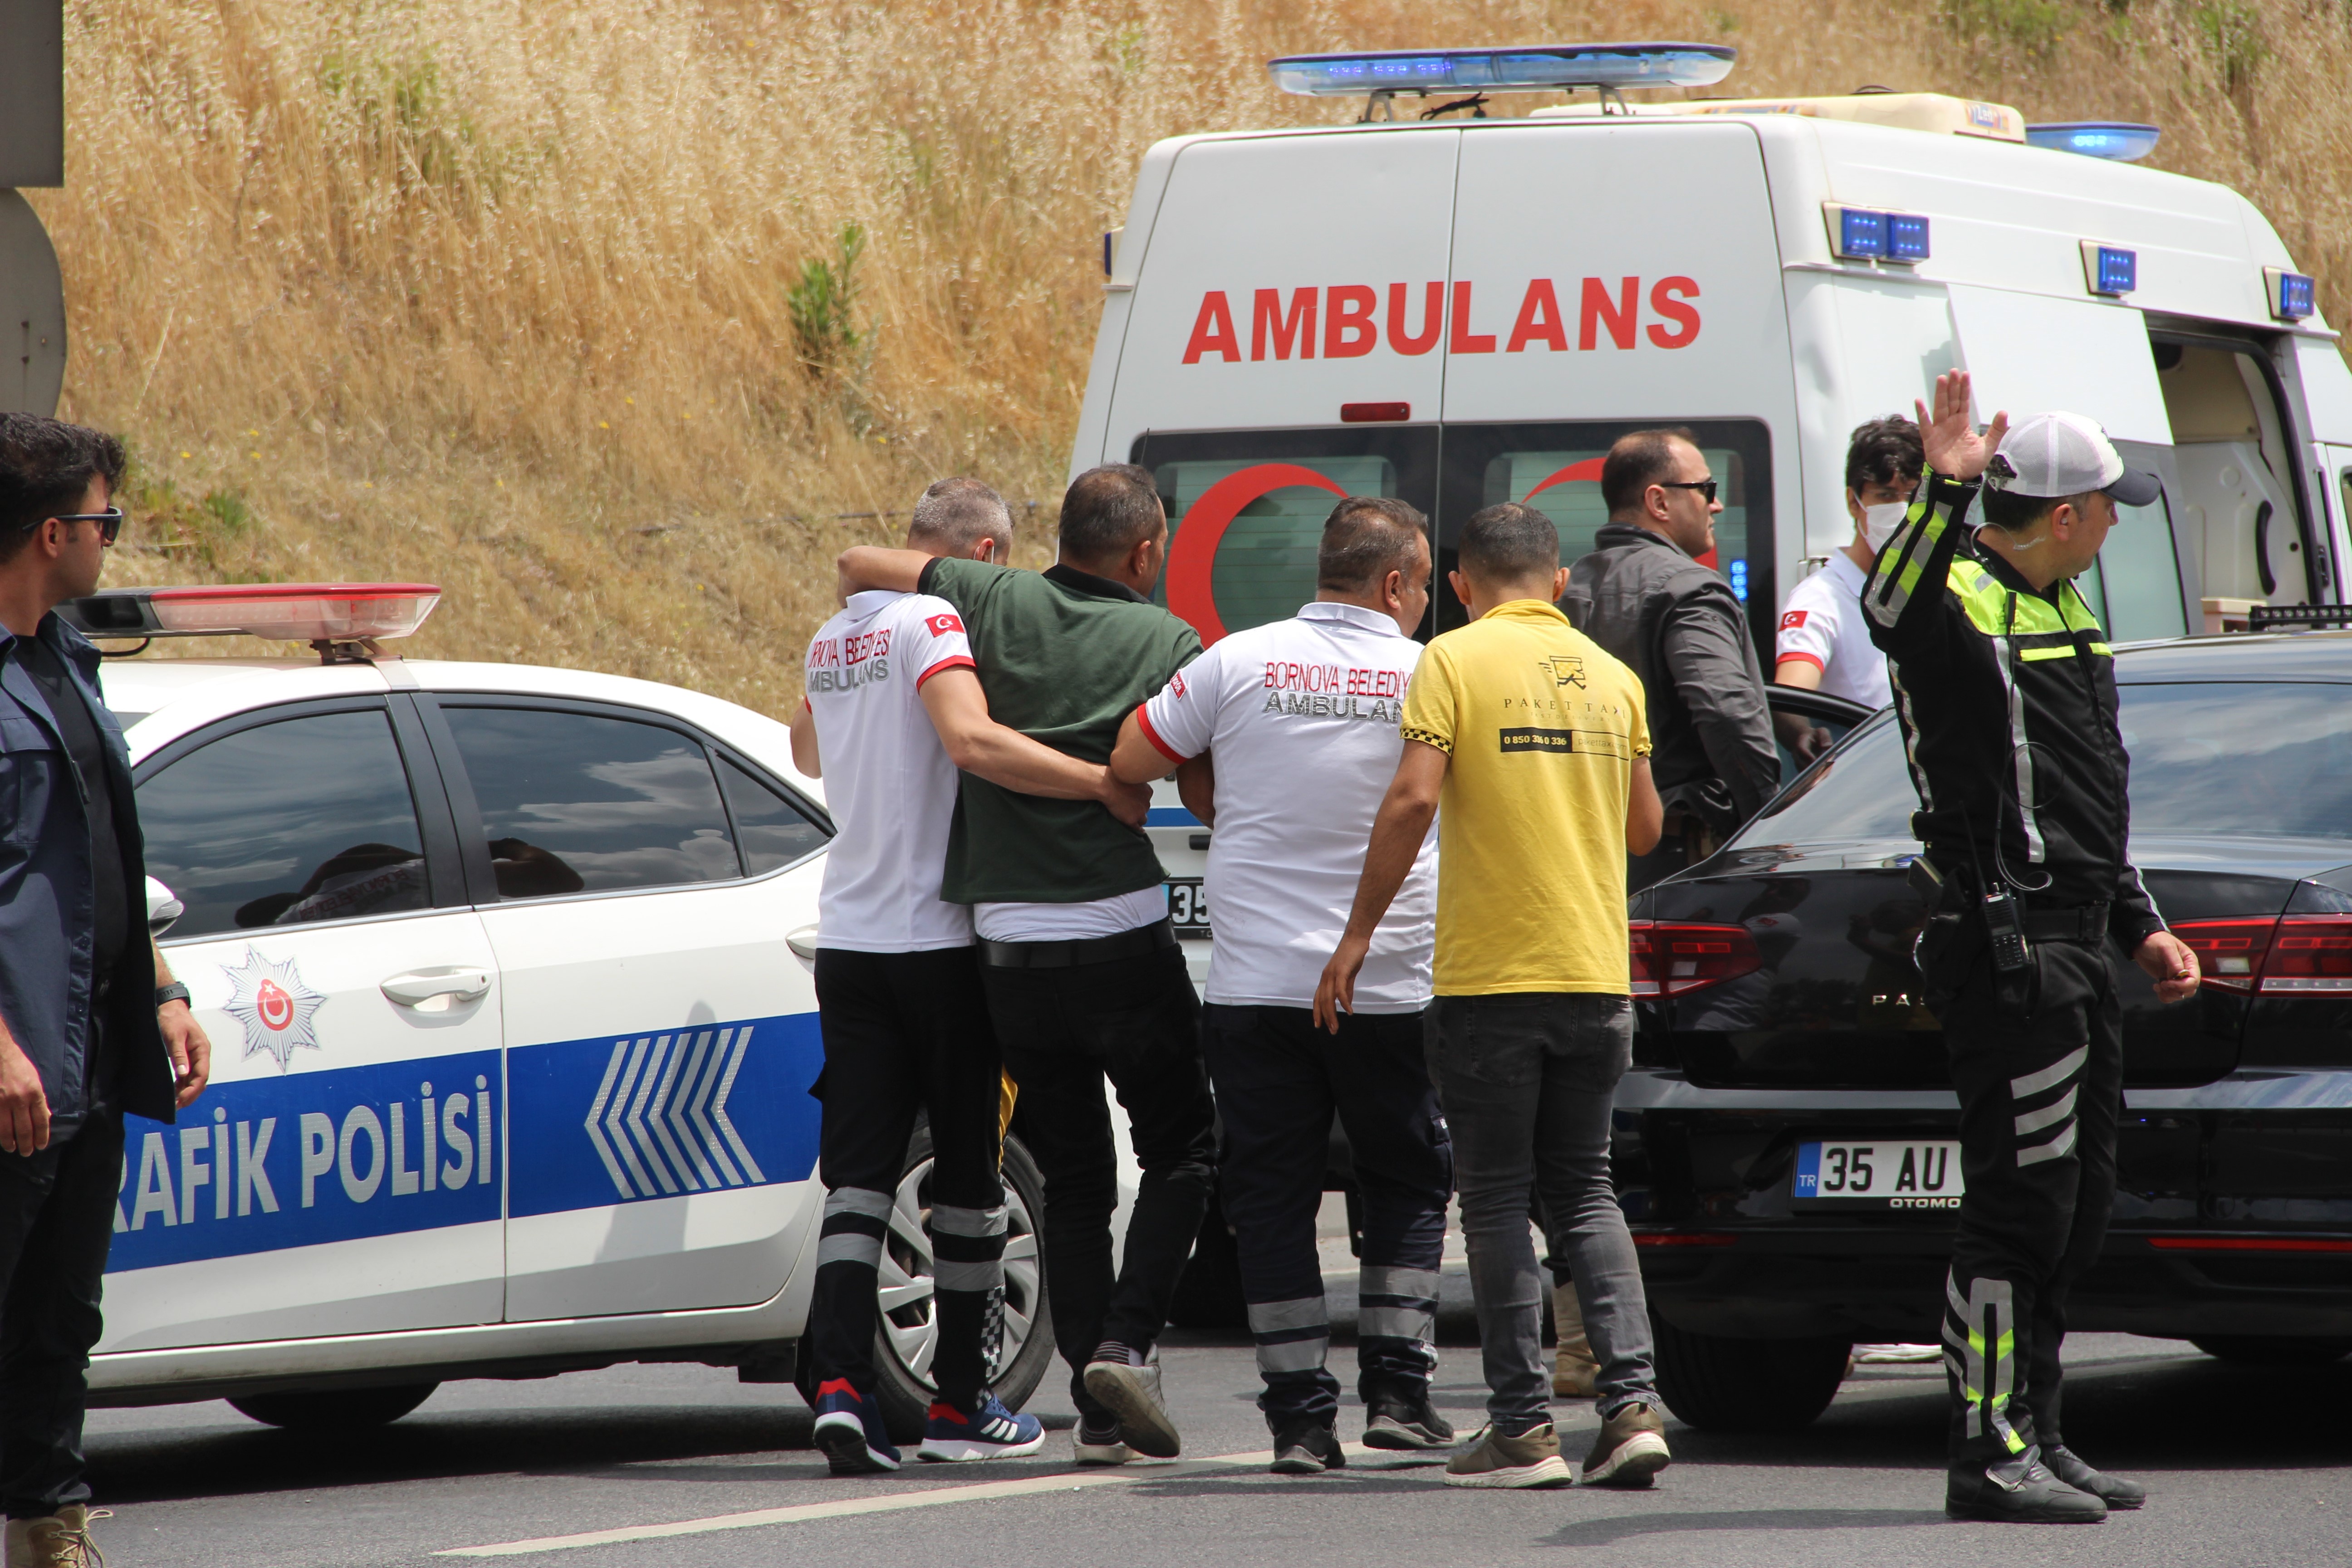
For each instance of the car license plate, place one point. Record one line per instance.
(1916, 1173)
(1188, 905)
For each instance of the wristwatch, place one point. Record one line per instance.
(174, 991)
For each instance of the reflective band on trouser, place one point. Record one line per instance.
(2058, 1113)
(1981, 1352)
(956, 1274)
(1400, 1303)
(854, 1219)
(949, 1220)
(968, 1247)
(1292, 1336)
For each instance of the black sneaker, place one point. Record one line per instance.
(2020, 1490)
(2112, 1490)
(1399, 1416)
(1307, 1448)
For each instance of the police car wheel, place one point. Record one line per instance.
(343, 1410)
(1719, 1384)
(2272, 1350)
(1022, 1333)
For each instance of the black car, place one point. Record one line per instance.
(1786, 1138)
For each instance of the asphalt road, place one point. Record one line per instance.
(2248, 1468)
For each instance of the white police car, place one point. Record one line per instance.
(506, 971)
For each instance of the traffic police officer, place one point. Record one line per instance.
(2007, 693)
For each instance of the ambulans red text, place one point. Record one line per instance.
(1348, 320)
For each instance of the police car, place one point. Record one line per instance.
(508, 976)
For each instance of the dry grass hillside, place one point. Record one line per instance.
(542, 300)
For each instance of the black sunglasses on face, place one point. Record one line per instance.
(109, 522)
(1706, 487)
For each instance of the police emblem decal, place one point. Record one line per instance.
(274, 1005)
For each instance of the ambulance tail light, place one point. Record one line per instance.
(2118, 140)
(2289, 955)
(290, 612)
(1533, 68)
(1672, 959)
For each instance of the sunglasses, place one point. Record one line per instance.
(109, 522)
(1706, 487)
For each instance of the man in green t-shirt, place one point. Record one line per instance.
(1534, 742)
(1081, 969)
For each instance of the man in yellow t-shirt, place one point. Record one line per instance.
(1533, 741)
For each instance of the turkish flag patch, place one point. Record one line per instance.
(1789, 622)
(941, 626)
(1176, 683)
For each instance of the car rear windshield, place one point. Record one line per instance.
(2244, 759)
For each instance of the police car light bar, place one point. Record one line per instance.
(2116, 138)
(290, 612)
(1865, 234)
(1534, 68)
(2291, 294)
(2109, 271)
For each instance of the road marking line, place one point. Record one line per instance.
(891, 1503)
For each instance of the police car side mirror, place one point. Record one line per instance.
(163, 910)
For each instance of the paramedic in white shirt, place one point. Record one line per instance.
(894, 707)
(1824, 645)
(1299, 720)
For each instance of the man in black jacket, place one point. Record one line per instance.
(2006, 689)
(1642, 596)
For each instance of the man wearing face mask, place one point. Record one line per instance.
(1824, 642)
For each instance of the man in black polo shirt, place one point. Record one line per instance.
(91, 1025)
(1082, 975)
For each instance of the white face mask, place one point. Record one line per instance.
(1879, 522)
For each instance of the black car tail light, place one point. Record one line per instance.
(2230, 952)
(1672, 959)
(2291, 955)
(2311, 953)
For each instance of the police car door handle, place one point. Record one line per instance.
(419, 987)
(802, 942)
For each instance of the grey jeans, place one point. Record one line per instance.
(1528, 1082)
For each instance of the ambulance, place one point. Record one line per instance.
(1461, 311)
(508, 976)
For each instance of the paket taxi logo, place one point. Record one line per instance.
(1565, 669)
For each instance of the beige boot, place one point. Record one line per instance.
(59, 1540)
(1574, 1372)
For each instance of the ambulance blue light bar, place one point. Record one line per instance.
(1532, 68)
(1867, 234)
(2119, 139)
(2293, 297)
(2109, 271)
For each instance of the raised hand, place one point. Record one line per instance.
(1952, 445)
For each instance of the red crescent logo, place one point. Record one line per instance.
(1193, 557)
(274, 1007)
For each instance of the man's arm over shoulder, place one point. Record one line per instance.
(1705, 643)
(1173, 725)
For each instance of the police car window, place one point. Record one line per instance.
(1265, 563)
(581, 803)
(2260, 760)
(1565, 486)
(303, 820)
(772, 831)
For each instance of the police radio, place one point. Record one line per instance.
(2005, 924)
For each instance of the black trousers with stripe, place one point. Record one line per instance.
(2039, 1095)
(905, 1032)
(1279, 1080)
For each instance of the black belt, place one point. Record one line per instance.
(1134, 944)
(2080, 922)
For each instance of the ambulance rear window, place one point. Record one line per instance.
(1541, 479)
(1265, 562)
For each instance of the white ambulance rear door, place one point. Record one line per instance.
(1610, 274)
(2324, 385)
(1266, 291)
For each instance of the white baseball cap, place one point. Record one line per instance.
(2045, 456)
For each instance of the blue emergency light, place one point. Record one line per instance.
(2109, 269)
(1533, 68)
(2119, 139)
(2291, 296)
(1867, 234)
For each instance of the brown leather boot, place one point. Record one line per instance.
(60, 1539)
(1574, 1371)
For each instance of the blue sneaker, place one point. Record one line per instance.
(987, 1431)
(849, 1429)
